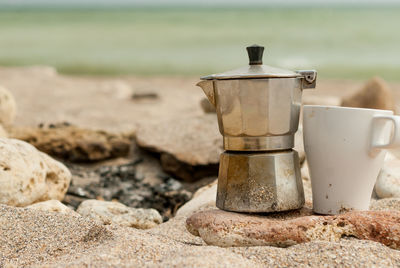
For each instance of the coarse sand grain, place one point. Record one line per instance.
(35, 238)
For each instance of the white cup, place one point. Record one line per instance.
(345, 152)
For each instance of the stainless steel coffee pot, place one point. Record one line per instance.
(258, 109)
(258, 106)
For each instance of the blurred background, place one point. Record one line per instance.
(107, 87)
(341, 39)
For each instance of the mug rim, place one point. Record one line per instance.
(331, 107)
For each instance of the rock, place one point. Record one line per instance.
(206, 106)
(8, 107)
(185, 171)
(204, 198)
(53, 206)
(194, 140)
(388, 182)
(385, 204)
(28, 176)
(73, 143)
(117, 213)
(58, 178)
(375, 94)
(226, 229)
(186, 142)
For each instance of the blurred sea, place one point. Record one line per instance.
(339, 42)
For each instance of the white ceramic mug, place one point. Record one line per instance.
(345, 152)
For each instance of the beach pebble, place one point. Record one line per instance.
(388, 182)
(116, 213)
(28, 176)
(8, 107)
(227, 229)
(52, 206)
(375, 94)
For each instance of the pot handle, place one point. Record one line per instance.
(309, 78)
(394, 140)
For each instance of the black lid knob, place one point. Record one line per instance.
(255, 54)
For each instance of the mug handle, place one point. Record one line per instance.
(395, 137)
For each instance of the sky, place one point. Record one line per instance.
(197, 2)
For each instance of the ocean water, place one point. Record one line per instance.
(351, 43)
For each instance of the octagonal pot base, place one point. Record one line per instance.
(260, 182)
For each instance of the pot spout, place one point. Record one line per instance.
(208, 88)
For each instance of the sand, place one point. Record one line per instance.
(36, 238)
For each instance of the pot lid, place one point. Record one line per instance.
(255, 69)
